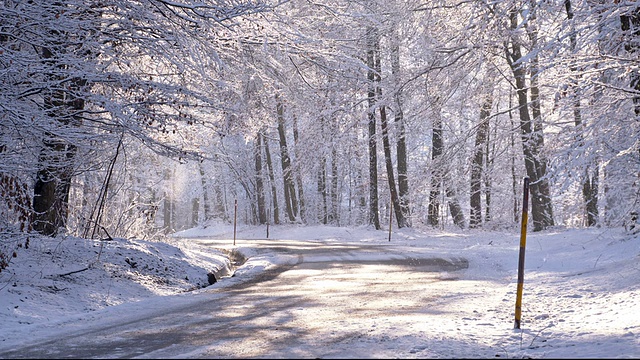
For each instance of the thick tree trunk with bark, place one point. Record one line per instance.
(374, 216)
(262, 213)
(401, 146)
(63, 101)
(287, 174)
(53, 179)
(303, 215)
(532, 137)
(437, 148)
(389, 166)
(477, 166)
(52, 186)
(454, 207)
(386, 145)
(272, 180)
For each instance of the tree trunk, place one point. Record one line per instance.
(374, 216)
(195, 209)
(514, 177)
(477, 167)
(206, 207)
(631, 22)
(488, 161)
(532, 137)
(322, 190)
(335, 198)
(454, 207)
(437, 148)
(389, 166)
(543, 188)
(386, 146)
(53, 179)
(52, 186)
(272, 180)
(303, 215)
(221, 209)
(289, 188)
(167, 209)
(262, 213)
(401, 146)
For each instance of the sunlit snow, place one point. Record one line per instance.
(581, 292)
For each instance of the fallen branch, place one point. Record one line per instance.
(69, 273)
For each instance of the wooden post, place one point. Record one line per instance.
(523, 243)
(235, 218)
(390, 218)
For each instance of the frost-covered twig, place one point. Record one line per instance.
(539, 332)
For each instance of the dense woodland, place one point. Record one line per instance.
(135, 118)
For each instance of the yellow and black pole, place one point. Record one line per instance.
(523, 243)
(390, 218)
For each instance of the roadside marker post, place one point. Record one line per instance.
(235, 219)
(523, 243)
(390, 218)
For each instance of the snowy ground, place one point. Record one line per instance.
(581, 290)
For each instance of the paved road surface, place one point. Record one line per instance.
(288, 311)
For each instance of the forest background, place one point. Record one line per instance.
(140, 118)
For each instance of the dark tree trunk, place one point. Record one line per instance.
(52, 186)
(334, 187)
(532, 138)
(262, 213)
(389, 166)
(488, 161)
(374, 216)
(543, 188)
(437, 148)
(454, 208)
(401, 146)
(386, 145)
(298, 172)
(477, 167)
(322, 190)
(168, 204)
(272, 180)
(289, 187)
(53, 179)
(514, 177)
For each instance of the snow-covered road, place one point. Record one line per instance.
(378, 292)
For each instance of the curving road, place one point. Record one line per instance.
(322, 303)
